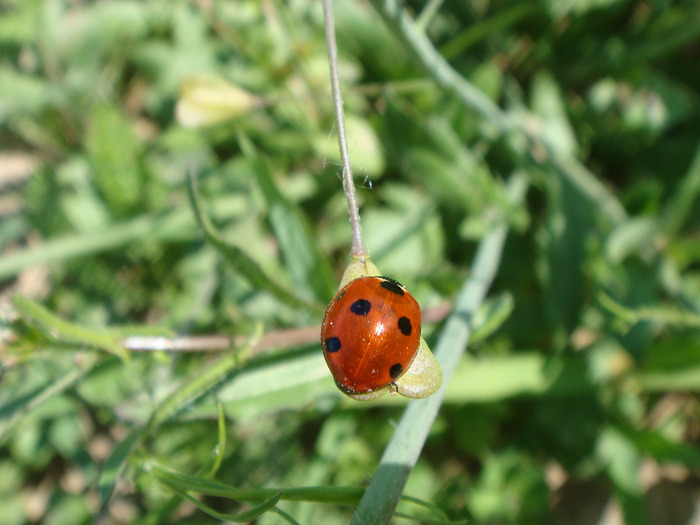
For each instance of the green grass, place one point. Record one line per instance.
(170, 168)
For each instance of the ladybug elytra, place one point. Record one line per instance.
(370, 334)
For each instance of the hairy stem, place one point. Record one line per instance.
(358, 249)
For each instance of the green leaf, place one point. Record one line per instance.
(568, 225)
(623, 462)
(657, 446)
(509, 476)
(114, 151)
(21, 94)
(631, 237)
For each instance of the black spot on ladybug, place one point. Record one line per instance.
(361, 307)
(392, 285)
(395, 371)
(332, 344)
(405, 326)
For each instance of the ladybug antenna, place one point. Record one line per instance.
(358, 249)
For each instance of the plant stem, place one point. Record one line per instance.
(358, 249)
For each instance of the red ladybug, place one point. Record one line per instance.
(370, 334)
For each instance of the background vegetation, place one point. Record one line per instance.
(576, 400)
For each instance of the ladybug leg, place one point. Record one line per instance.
(394, 389)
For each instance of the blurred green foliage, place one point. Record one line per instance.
(585, 395)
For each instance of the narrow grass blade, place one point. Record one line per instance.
(192, 389)
(677, 212)
(491, 316)
(240, 260)
(114, 467)
(479, 31)
(662, 315)
(220, 446)
(384, 491)
(53, 326)
(309, 270)
(78, 245)
(243, 517)
(183, 483)
(12, 411)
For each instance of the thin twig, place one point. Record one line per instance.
(278, 339)
(358, 249)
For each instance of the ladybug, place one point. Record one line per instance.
(370, 334)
